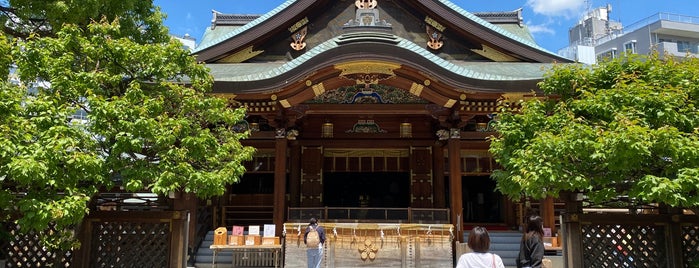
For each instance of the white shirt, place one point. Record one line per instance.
(479, 260)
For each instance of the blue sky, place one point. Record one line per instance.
(548, 20)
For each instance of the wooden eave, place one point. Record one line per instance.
(453, 20)
(414, 69)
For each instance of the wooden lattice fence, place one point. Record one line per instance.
(611, 245)
(631, 240)
(25, 250)
(108, 239)
(133, 239)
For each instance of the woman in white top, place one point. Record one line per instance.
(479, 242)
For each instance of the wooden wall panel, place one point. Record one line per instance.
(311, 176)
(421, 177)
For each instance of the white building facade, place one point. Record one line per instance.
(669, 34)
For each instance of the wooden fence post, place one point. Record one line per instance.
(572, 231)
(673, 236)
(178, 255)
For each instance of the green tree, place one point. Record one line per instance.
(139, 20)
(624, 128)
(150, 123)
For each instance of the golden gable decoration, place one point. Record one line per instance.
(366, 4)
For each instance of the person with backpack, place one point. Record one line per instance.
(314, 238)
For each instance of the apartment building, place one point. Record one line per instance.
(670, 34)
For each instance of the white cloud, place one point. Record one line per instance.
(557, 8)
(541, 29)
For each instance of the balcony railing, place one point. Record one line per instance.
(367, 214)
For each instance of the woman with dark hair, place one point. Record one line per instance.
(531, 250)
(479, 242)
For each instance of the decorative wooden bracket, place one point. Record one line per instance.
(366, 4)
(298, 39)
(435, 37)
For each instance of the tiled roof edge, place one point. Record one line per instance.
(245, 27)
(493, 27)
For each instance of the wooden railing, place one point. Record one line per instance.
(367, 214)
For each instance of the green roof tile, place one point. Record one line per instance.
(493, 27)
(218, 39)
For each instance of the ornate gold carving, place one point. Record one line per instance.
(432, 22)
(366, 4)
(285, 103)
(298, 25)
(513, 97)
(297, 38)
(318, 89)
(416, 89)
(462, 97)
(435, 37)
(367, 72)
(365, 67)
(273, 97)
(367, 250)
(493, 54)
(427, 82)
(450, 103)
(309, 83)
(242, 55)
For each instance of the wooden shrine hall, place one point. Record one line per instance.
(371, 111)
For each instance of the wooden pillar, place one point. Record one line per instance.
(81, 255)
(510, 213)
(455, 195)
(177, 229)
(673, 236)
(438, 176)
(572, 232)
(280, 182)
(547, 213)
(294, 175)
(187, 202)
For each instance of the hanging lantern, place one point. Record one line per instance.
(327, 130)
(406, 130)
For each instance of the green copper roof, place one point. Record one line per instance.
(221, 35)
(493, 27)
(521, 31)
(208, 42)
(493, 71)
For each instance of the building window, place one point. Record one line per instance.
(630, 47)
(683, 46)
(607, 55)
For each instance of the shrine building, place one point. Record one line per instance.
(372, 111)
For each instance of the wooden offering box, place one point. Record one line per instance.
(220, 236)
(270, 240)
(237, 240)
(253, 240)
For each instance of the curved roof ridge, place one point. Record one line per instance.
(493, 27)
(401, 42)
(245, 27)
